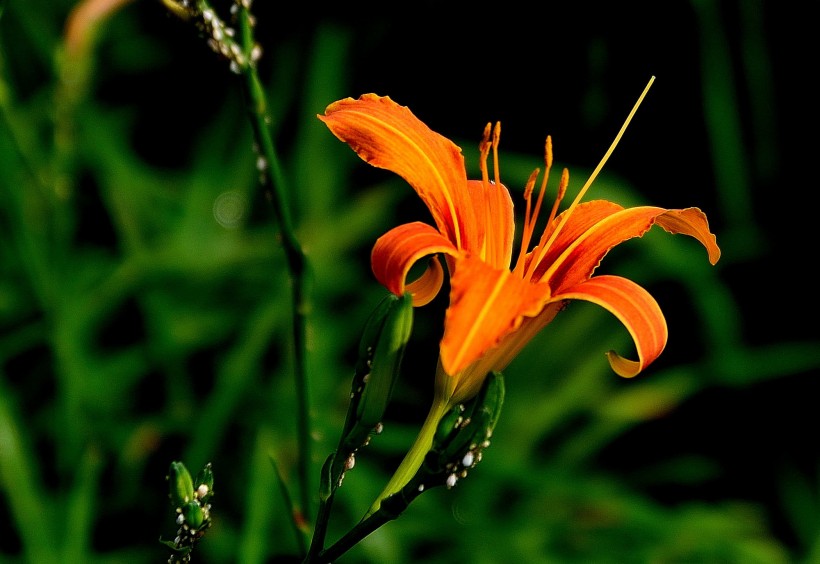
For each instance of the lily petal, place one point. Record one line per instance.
(426, 287)
(395, 253)
(692, 222)
(583, 255)
(636, 309)
(389, 136)
(496, 221)
(486, 304)
(585, 216)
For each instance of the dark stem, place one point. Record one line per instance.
(390, 509)
(273, 182)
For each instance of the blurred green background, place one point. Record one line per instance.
(144, 298)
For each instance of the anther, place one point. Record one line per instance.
(496, 141)
(484, 150)
(548, 152)
(529, 188)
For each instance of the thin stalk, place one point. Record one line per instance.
(273, 182)
(354, 536)
(415, 456)
(320, 530)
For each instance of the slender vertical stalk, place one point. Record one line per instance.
(415, 456)
(274, 185)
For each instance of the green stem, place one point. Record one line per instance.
(320, 531)
(353, 537)
(415, 456)
(379, 513)
(273, 183)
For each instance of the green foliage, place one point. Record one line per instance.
(145, 317)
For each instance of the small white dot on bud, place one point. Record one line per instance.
(468, 459)
(451, 480)
(202, 490)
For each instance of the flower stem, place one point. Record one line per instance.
(415, 456)
(353, 537)
(273, 182)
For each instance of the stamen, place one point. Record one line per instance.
(543, 243)
(562, 190)
(484, 149)
(543, 248)
(529, 224)
(548, 152)
(531, 217)
(499, 248)
(496, 140)
(548, 164)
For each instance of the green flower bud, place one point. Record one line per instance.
(381, 350)
(462, 436)
(387, 357)
(193, 514)
(478, 420)
(449, 424)
(181, 486)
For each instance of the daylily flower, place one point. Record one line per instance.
(499, 301)
(498, 304)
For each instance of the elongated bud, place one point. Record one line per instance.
(181, 486)
(381, 350)
(389, 351)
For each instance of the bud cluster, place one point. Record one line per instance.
(220, 36)
(458, 445)
(191, 501)
(462, 435)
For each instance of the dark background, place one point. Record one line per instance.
(710, 456)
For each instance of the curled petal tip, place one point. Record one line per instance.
(692, 222)
(425, 288)
(623, 367)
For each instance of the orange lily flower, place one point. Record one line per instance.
(497, 305)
